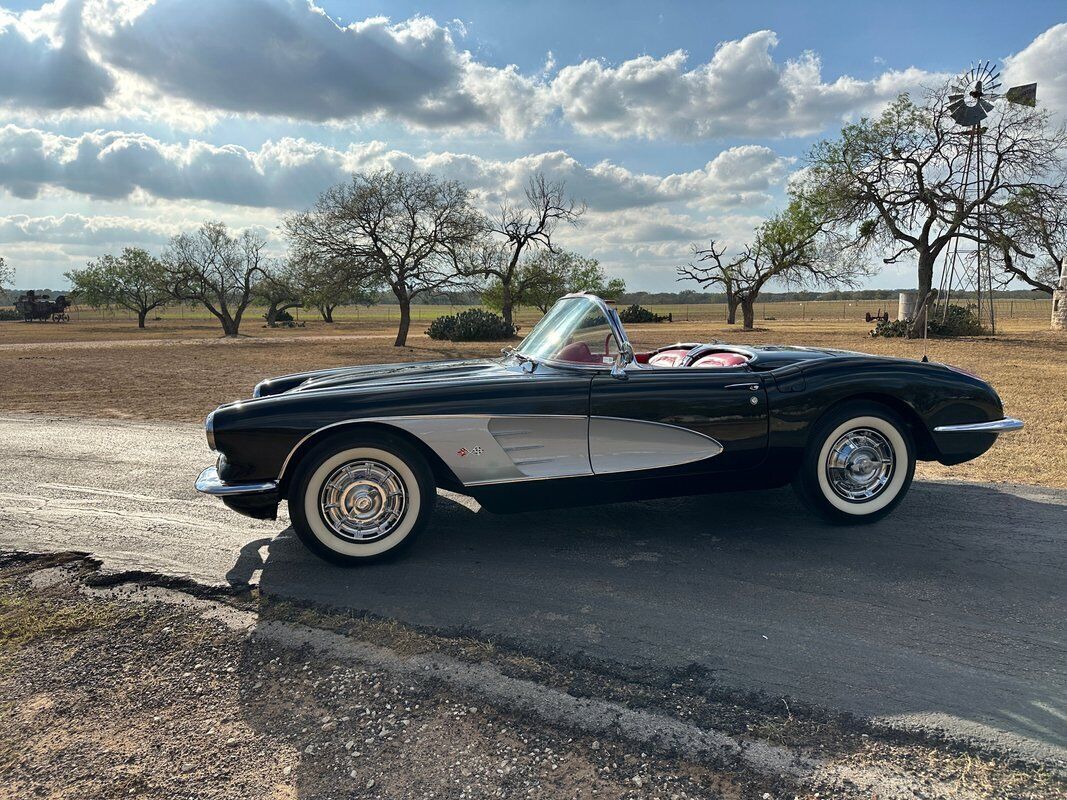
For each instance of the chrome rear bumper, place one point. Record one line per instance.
(993, 426)
(209, 482)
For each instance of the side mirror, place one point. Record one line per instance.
(625, 357)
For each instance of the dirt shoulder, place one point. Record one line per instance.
(120, 686)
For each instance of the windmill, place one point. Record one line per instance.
(972, 98)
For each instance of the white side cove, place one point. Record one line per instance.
(626, 445)
(487, 449)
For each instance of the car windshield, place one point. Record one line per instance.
(575, 330)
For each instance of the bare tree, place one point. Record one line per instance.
(133, 280)
(894, 184)
(279, 289)
(408, 230)
(792, 247)
(525, 226)
(217, 269)
(720, 274)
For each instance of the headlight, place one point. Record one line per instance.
(209, 429)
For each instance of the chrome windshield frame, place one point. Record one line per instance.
(614, 322)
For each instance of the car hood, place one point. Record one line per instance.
(383, 375)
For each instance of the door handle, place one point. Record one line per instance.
(748, 387)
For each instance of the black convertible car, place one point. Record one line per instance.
(574, 416)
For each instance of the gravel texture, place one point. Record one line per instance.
(111, 690)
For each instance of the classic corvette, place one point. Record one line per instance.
(574, 416)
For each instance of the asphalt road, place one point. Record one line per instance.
(951, 614)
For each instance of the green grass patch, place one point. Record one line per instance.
(26, 618)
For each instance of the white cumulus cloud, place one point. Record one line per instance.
(1043, 61)
(290, 173)
(740, 91)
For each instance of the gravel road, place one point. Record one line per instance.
(949, 615)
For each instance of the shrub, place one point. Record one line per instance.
(472, 325)
(956, 321)
(636, 314)
(891, 329)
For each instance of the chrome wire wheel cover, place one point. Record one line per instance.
(363, 501)
(860, 465)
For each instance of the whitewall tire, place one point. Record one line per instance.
(360, 497)
(859, 463)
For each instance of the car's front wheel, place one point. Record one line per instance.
(858, 464)
(360, 497)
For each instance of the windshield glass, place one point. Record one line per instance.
(575, 329)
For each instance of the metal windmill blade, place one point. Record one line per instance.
(969, 104)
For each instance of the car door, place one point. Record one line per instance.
(664, 419)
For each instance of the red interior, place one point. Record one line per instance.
(667, 358)
(578, 352)
(675, 356)
(720, 360)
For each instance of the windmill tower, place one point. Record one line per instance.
(969, 269)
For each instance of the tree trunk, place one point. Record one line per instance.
(506, 303)
(272, 315)
(748, 312)
(141, 316)
(405, 321)
(327, 313)
(926, 281)
(230, 325)
(731, 308)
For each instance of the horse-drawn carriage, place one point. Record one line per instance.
(33, 306)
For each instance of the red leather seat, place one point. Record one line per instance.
(720, 360)
(668, 358)
(578, 352)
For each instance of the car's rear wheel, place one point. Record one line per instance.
(360, 497)
(858, 465)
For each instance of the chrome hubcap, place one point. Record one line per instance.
(860, 465)
(362, 501)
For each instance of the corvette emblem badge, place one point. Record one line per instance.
(474, 451)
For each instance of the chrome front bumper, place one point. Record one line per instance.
(209, 482)
(993, 426)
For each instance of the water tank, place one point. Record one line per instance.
(906, 305)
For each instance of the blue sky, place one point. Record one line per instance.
(128, 120)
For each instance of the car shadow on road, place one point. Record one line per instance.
(947, 614)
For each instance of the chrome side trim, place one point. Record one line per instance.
(993, 426)
(209, 482)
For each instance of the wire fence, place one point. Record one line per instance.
(839, 310)
(843, 310)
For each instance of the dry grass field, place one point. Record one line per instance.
(180, 368)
